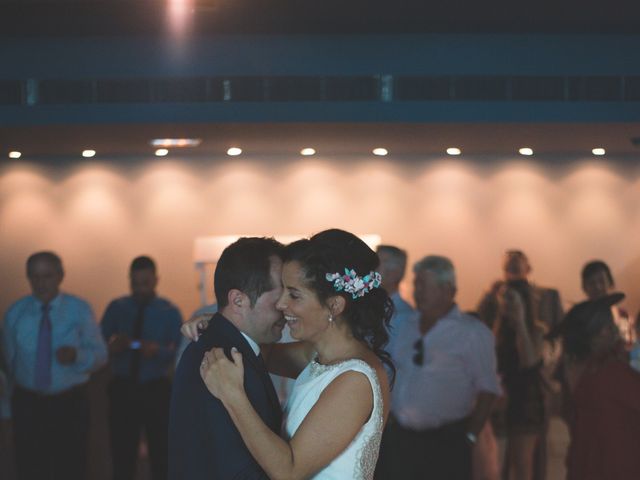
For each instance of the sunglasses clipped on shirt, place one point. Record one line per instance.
(418, 357)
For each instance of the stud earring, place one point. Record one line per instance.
(330, 319)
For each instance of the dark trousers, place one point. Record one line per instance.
(51, 434)
(437, 454)
(132, 407)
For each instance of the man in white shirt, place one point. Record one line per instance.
(393, 263)
(445, 386)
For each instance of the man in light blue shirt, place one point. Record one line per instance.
(52, 344)
(393, 264)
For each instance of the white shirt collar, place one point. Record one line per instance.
(254, 346)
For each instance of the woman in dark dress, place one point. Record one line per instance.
(519, 344)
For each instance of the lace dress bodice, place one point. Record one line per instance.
(358, 460)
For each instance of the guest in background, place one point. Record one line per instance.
(6, 446)
(605, 420)
(393, 263)
(597, 282)
(143, 331)
(635, 348)
(520, 313)
(52, 343)
(445, 386)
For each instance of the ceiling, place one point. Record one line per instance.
(116, 17)
(330, 139)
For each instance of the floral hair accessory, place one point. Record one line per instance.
(351, 283)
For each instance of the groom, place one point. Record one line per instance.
(203, 441)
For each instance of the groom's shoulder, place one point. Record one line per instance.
(219, 333)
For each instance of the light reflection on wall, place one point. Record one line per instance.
(27, 206)
(100, 215)
(96, 201)
(523, 201)
(316, 194)
(381, 193)
(594, 204)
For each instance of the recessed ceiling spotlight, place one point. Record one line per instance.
(526, 151)
(162, 152)
(381, 152)
(88, 153)
(175, 142)
(234, 151)
(453, 151)
(15, 154)
(307, 152)
(599, 151)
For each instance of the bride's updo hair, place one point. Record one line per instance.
(331, 251)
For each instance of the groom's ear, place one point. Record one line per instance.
(237, 300)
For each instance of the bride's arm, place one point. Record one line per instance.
(329, 427)
(284, 359)
(287, 359)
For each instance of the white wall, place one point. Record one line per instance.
(99, 214)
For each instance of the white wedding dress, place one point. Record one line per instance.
(358, 460)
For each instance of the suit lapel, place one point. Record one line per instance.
(228, 329)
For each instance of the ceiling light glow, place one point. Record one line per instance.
(599, 151)
(162, 152)
(88, 153)
(526, 151)
(175, 142)
(307, 152)
(453, 151)
(234, 151)
(381, 152)
(15, 154)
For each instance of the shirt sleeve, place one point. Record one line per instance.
(92, 352)
(482, 360)
(558, 313)
(108, 323)
(173, 336)
(7, 351)
(7, 336)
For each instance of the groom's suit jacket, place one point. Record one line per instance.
(203, 441)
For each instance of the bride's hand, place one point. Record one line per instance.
(224, 378)
(192, 327)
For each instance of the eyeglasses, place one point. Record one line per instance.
(418, 357)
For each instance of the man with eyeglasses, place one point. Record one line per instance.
(445, 386)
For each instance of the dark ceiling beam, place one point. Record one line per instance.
(117, 17)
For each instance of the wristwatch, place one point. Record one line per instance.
(472, 438)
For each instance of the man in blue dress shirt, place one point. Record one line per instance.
(393, 264)
(52, 344)
(143, 331)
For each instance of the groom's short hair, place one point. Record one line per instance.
(245, 265)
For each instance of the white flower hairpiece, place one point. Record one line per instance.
(351, 283)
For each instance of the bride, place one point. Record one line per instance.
(339, 404)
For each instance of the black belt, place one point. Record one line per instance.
(456, 425)
(68, 393)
